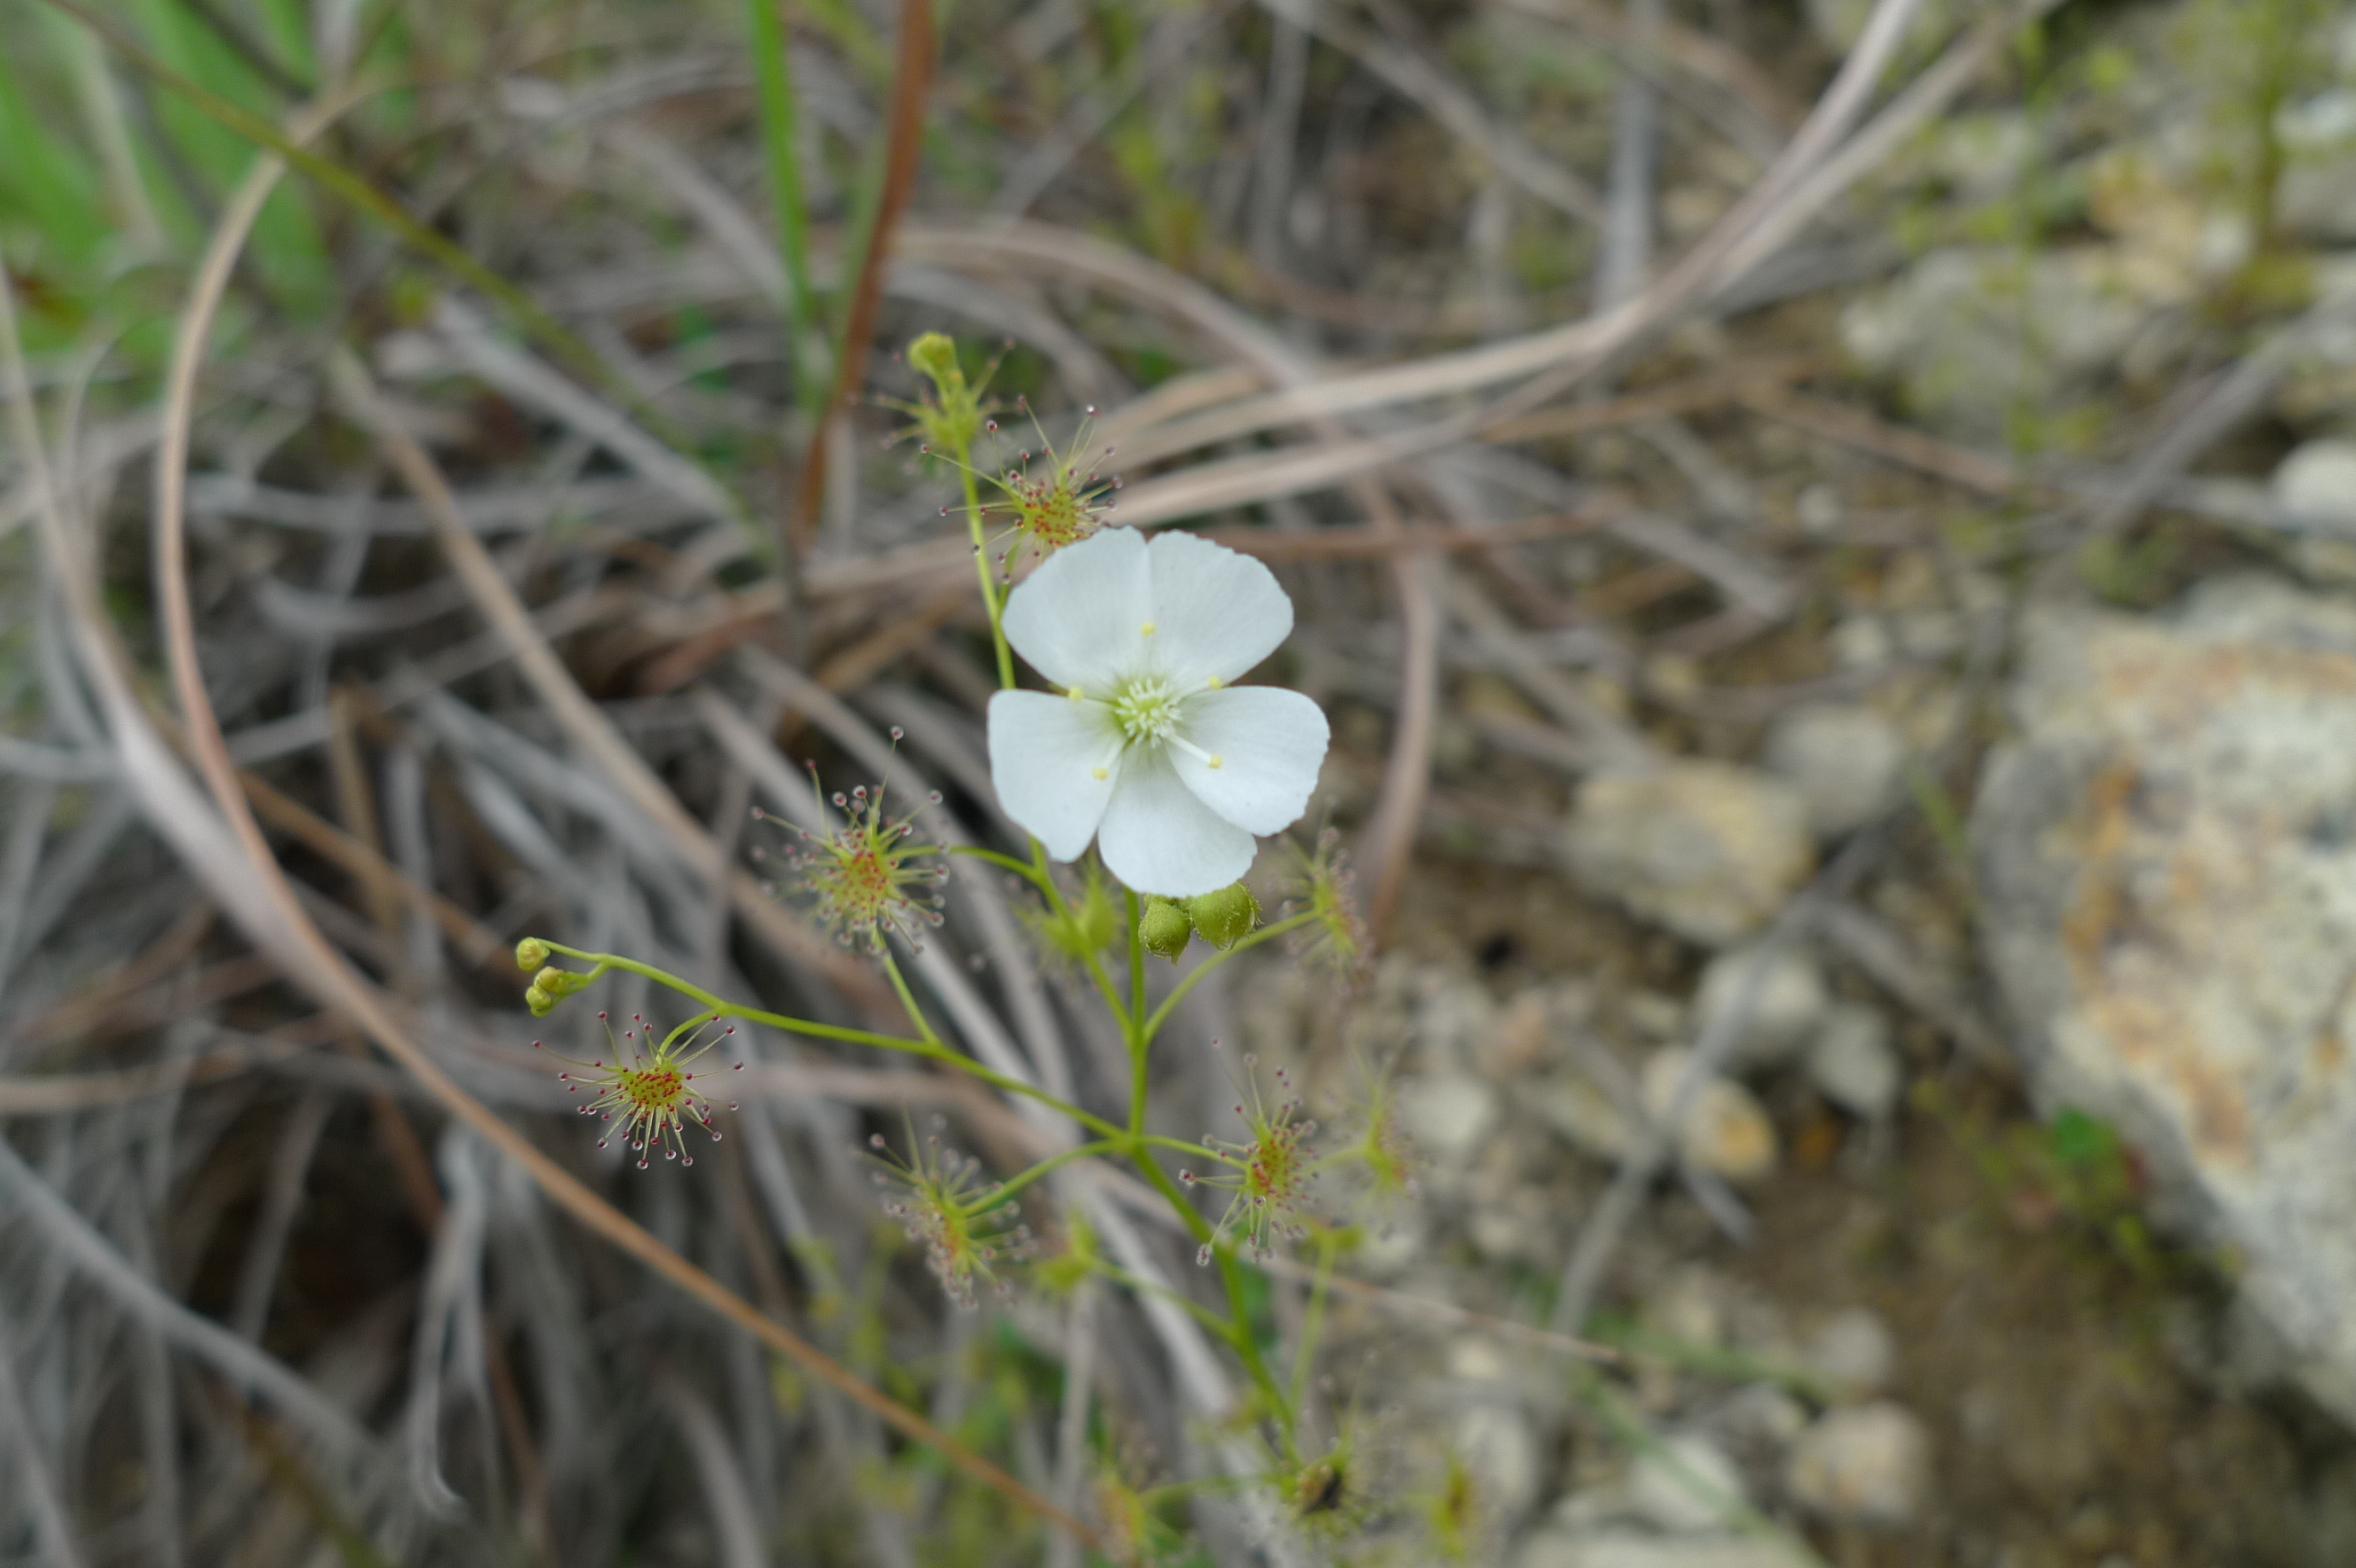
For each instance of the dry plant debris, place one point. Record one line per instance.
(454, 478)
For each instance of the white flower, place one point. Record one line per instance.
(1149, 752)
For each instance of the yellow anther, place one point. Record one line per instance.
(1216, 683)
(1216, 759)
(1074, 693)
(1099, 771)
(1146, 630)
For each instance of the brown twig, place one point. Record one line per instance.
(912, 82)
(1909, 448)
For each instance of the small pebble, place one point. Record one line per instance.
(1585, 1117)
(1868, 1464)
(1845, 760)
(1853, 1064)
(1689, 1486)
(1854, 1349)
(2318, 480)
(1706, 850)
(1501, 1450)
(1447, 1114)
(1725, 1129)
(1779, 994)
(1620, 1547)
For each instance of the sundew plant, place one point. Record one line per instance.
(1145, 780)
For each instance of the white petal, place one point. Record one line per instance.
(1217, 613)
(1080, 620)
(1046, 754)
(1270, 743)
(1158, 839)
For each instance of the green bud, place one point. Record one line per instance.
(552, 985)
(935, 354)
(1164, 927)
(1225, 917)
(530, 952)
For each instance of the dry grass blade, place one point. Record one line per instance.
(589, 729)
(51, 1527)
(236, 1362)
(317, 966)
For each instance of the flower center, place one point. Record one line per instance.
(1147, 711)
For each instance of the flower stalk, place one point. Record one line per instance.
(1145, 749)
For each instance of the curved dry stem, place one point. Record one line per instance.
(328, 976)
(582, 723)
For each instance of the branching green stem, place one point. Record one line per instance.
(930, 1051)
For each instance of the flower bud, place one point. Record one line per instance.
(552, 985)
(1164, 927)
(935, 354)
(531, 952)
(1224, 916)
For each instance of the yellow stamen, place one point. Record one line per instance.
(1099, 771)
(1216, 683)
(1146, 630)
(1216, 759)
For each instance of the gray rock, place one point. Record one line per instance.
(1447, 1114)
(1500, 1449)
(1853, 1064)
(1632, 1548)
(1688, 1487)
(2167, 863)
(1781, 993)
(1843, 760)
(1453, 1017)
(1760, 1417)
(1585, 1116)
(1973, 335)
(1854, 1349)
(2317, 480)
(1708, 850)
(1725, 1129)
(1868, 1464)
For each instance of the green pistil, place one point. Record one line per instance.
(1146, 711)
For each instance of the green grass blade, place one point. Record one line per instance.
(324, 172)
(781, 127)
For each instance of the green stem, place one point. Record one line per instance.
(1237, 1330)
(1187, 982)
(1017, 1182)
(927, 1049)
(773, 69)
(908, 1000)
(1021, 869)
(990, 600)
(1312, 1322)
(1209, 1319)
(1136, 973)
